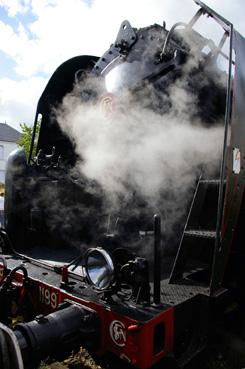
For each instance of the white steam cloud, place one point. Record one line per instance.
(138, 151)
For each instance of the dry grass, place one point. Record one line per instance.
(80, 360)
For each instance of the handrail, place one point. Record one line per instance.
(223, 165)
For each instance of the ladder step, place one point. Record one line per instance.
(211, 181)
(200, 234)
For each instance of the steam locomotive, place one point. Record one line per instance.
(74, 271)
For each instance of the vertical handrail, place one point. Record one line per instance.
(223, 166)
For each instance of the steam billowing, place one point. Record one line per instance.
(142, 159)
(143, 148)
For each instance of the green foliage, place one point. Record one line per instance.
(2, 188)
(26, 137)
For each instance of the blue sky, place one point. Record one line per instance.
(38, 35)
(24, 18)
(7, 63)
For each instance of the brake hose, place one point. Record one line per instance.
(10, 276)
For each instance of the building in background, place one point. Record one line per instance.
(8, 142)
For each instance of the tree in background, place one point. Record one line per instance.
(26, 137)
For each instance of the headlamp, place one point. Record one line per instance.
(99, 267)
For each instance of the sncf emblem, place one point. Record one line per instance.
(118, 333)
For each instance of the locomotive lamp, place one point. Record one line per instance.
(100, 270)
(107, 274)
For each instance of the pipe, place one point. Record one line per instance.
(157, 260)
(59, 331)
(10, 354)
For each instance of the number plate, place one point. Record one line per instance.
(48, 297)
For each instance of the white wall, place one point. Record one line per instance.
(5, 149)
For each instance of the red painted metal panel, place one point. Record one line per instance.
(129, 339)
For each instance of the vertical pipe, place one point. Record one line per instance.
(33, 137)
(157, 260)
